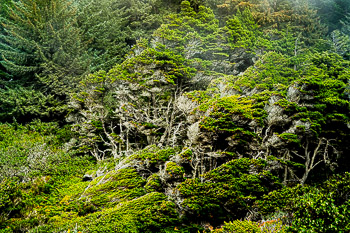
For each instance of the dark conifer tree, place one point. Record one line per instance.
(42, 43)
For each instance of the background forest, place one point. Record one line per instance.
(174, 116)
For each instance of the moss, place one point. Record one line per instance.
(174, 170)
(186, 155)
(154, 184)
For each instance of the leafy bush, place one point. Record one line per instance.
(149, 213)
(12, 200)
(232, 186)
(324, 209)
(272, 226)
(239, 226)
(279, 200)
(26, 104)
(36, 149)
(114, 187)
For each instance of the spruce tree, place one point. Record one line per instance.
(332, 12)
(346, 24)
(340, 44)
(43, 44)
(113, 26)
(4, 75)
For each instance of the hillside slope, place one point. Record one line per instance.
(229, 117)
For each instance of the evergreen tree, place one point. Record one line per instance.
(113, 26)
(242, 30)
(25, 103)
(332, 12)
(3, 13)
(346, 24)
(43, 43)
(280, 18)
(133, 105)
(227, 8)
(105, 26)
(341, 43)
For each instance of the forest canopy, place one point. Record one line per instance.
(174, 116)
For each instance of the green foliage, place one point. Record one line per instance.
(341, 44)
(222, 110)
(12, 200)
(330, 65)
(26, 104)
(148, 81)
(193, 33)
(152, 155)
(272, 72)
(232, 186)
(149, 213)
(240, 226)
(4, 7)
(186, 154)
(173, 67)
(125, 184)
(42, 42)
(154, 184)
(290, 107)
(34, 164)
(193, 125)
(253, 227)
(174, 170)
(290, 137)
(36, 149)
(332, 12)
(242, 30)
(325, 83)
(279, 200)
(217, 114)
(289, 44)
(293, 17)
(325, 209)
(113, 27)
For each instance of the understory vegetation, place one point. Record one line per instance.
(174, 116)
